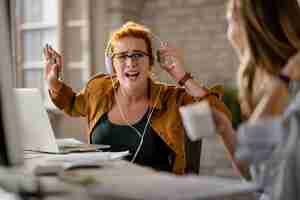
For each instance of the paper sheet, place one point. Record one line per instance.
(88, 157)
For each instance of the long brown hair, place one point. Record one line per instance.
(273, 36)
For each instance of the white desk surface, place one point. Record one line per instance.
(120, 179)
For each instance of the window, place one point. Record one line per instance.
(37, 24)
(62, 24)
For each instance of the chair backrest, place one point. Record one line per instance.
(193, 155)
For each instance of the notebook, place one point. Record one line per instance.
(37, 133)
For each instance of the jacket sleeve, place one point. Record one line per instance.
(214, 98)
(73, 104)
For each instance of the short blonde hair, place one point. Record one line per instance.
(131, 29)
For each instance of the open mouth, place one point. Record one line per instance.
(132, 75)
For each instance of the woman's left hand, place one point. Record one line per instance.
(172, 61)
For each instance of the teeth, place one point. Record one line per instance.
(132, 74)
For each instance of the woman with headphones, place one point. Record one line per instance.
(127, 109)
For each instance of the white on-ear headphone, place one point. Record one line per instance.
(108, 65)
(108, 58)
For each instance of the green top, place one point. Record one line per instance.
(153, 152)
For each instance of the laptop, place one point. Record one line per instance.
(37, 133)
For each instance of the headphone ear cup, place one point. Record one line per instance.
(108, 65)
(158, 58)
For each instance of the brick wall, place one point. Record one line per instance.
(196, 26)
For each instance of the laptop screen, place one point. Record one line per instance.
(37, 133)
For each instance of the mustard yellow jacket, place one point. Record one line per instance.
(97, 99)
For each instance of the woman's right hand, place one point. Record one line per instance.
(53, 65)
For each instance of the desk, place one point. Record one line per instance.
(119, 179)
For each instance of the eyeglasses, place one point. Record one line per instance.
(135, 56)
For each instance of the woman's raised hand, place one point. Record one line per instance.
(171, 60)
(53, 65)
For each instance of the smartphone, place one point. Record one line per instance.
(164, 60)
